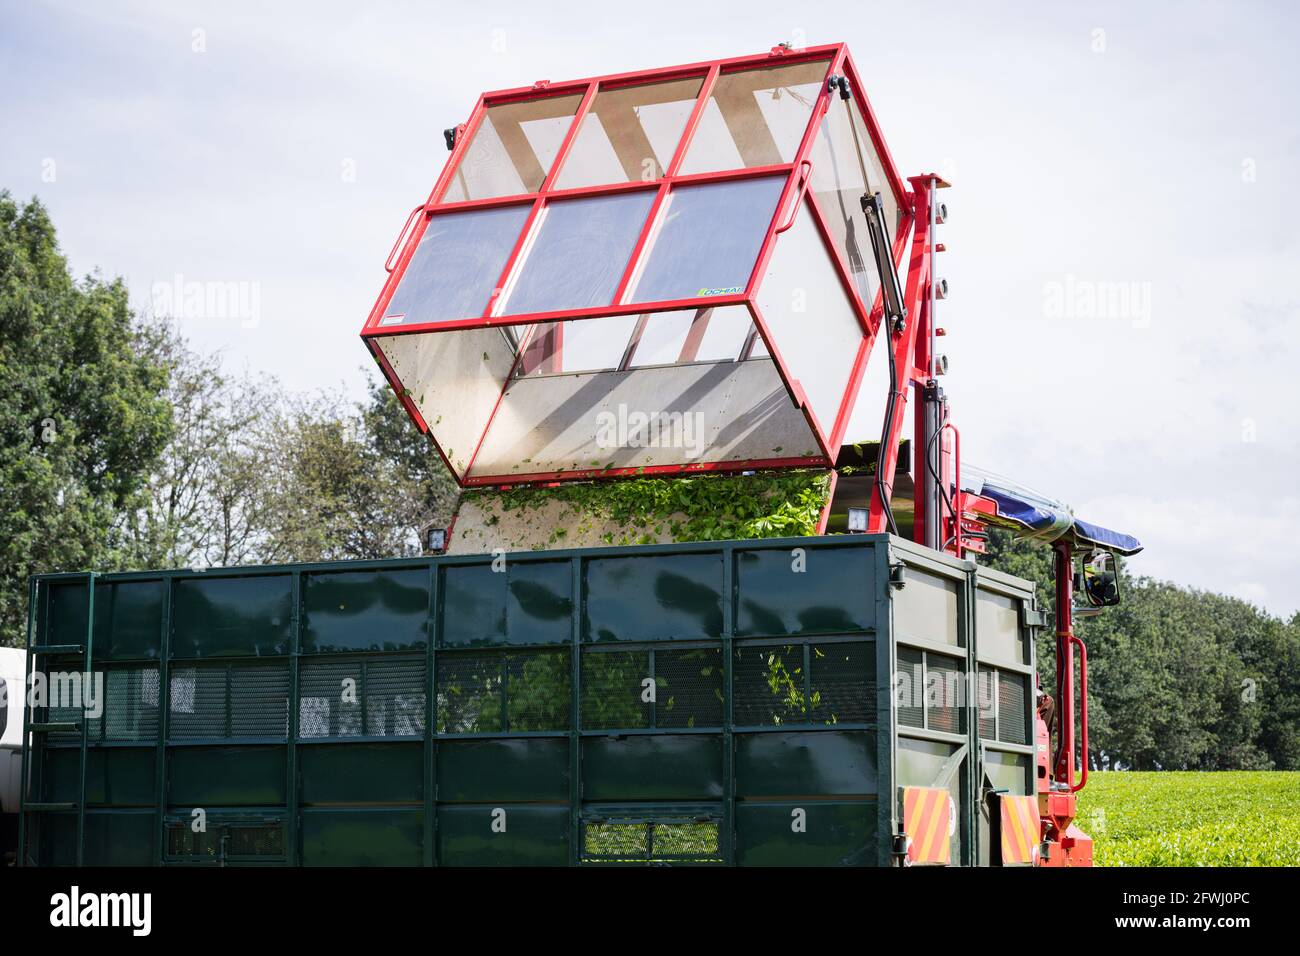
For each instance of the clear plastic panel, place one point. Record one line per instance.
(707, 239)
(841, 153)
(699, 335)
(755, 117)
(455, 378)
(513, 148)
(611, 342)
(578, 253)
(809, 316)
(629, 134)
(643, 417)
(456, 266)
(579, 345)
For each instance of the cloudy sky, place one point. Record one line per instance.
(1122, 240)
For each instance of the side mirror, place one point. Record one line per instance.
(1101, 579)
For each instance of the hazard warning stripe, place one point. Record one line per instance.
(1020, 828)
(926, 812)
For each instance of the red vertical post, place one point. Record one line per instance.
(1064, 555)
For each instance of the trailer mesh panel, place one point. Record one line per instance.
(355, 698)
(498, 692)
(128, 705)
(229, 700)
(248, 841)
(537, 690)
(641, 842)
(842, 682)
(688, 688)
(394, 698)
(911, 689)
(987, 687)
(944, 693)
(1012, 727)
(768, 686)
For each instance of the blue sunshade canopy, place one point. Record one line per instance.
(1033, 515)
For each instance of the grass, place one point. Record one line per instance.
(1193, 819)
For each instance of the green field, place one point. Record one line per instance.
(1193, 819)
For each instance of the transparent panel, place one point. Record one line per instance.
(808, 314)
(631, 341)
(455, 379)
(756, 117)
(585, 345)
(629, 134)
(513, 149)
(578, 253)
(707, 239)
(456, 266)
(700, 335)
(659, 411)
(842, 154)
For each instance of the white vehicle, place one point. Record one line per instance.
(13, 668)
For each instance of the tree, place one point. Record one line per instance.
(82, 413)
(203, 500)
(1179, 679)
(349, 481)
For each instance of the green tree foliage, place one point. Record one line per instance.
(83, 415)
(122, 448)
(1178, 679)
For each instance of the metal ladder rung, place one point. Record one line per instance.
(55, 727)
(48, 807)
(60, 649)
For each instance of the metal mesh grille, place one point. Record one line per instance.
(355, 698)
(131, 704)
(256, 841)
(842, 681)
(1011, 709)
(616, 841)
(259, 700)
(394, 698)
(127, 701)
(944, 693)
(688, 688)
(198, 704)
(495, 692)
(329, 699)
(697, 841)
(987, 703)
(910, 689)
(183, 842)
(240, 840)
(238, 700)
(537, 691)
(612, 689)
(648, 842)
(469, 694)
(768, 686)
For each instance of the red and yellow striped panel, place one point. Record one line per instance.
(927, 817)
(1020, 828)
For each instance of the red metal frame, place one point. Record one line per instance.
(795, 196)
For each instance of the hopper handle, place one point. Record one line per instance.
(805, 169)
(389, 265)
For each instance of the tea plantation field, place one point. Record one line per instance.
(1193, 819)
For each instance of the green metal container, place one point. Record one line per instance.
(753, 703)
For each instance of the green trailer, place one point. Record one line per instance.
(742, 702)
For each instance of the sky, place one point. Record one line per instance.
(1122, 235)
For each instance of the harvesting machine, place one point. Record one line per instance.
(675, 277)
